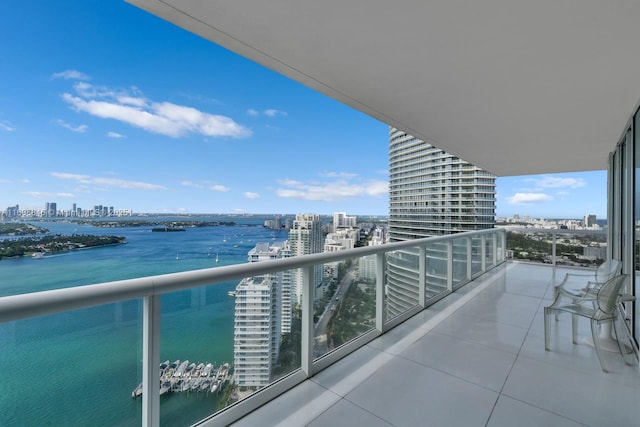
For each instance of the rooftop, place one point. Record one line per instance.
(474, 358)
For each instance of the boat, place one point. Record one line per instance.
(206, 385)
(165, 387)
(37, 255)
(206, 371)
(137, 392)
(167, 229)
(217, 258)
(181, 369)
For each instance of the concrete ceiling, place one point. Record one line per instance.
(516, 87)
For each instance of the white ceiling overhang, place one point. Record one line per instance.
(516, 87)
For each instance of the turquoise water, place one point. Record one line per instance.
(79, 368)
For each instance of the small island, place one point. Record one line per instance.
(20, 229)
(51, 244)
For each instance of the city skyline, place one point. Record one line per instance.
(151, 118)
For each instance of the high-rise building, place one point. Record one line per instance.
(282, 280)
(341, 220)
(305, 237)
(431, 193)
(589, 220)
(262, 315)
(256, 333)
(50, 209)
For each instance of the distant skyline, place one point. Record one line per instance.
(103, 104)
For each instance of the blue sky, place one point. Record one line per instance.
(102, 103)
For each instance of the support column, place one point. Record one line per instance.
(151, 362)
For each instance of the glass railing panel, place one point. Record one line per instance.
(488, 251)
(460, 261)
(75, 368)
(437, 273)
(402, 281)
(345, 304)
(197, 341)
(476, 255)
(576, 248)
(287, 358)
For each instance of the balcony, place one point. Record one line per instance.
(474, 358)
(479, 341)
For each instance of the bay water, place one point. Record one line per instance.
(79, 368)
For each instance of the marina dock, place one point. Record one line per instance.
(184, 376)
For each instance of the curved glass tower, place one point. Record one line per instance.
(431, 193)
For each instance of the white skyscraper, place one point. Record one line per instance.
(256, 331)
(341, 220)
(262, 315)
(305, 237)
(431, 193)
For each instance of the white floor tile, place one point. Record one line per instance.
(473, 362)
(510, 412)
(346, 414)
(405, 393)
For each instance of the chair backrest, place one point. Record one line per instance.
(609, 294)
(607, 270)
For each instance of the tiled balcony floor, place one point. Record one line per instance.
(476, 358)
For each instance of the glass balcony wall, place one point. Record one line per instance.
(176, 317)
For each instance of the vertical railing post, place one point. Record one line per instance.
(483, 253)
(450, 265)
(380, 295)
(422, 276)
(494, 254)
(553, 247)
(469, 257)
(151, 362)
(307, 320)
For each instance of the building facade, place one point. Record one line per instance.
(431, 193)
(305, 237)
(256, 339)
(262, 314)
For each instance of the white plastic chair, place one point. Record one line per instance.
(604, 308)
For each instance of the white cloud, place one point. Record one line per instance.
(275, 113)
(332, 191)
(251, 195)
(528, 198)
(115, 135)
(163, 118)
(4, 181)
(107, 182)
(70, 75)
(219, 187)
(549, 181)
(191, 184)
(78, 129)
(270, 112)
(5, 125)
(347, 175)
(47, 195)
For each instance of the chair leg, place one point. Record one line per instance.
(574, 328)
(547, 329)
(623, 336)
(596, 344)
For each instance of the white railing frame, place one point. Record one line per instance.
(150, 288)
